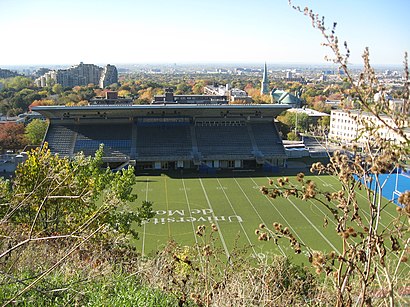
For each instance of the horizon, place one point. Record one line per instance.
(46, 32)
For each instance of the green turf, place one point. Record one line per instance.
(237, 207)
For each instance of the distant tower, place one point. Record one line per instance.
(265, 82)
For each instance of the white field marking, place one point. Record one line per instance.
(256, 211)
(190, 213)
(360, 195)
(313, 225)
(216, 222)
(287, 223)
(184, 189)
(368, 214)
(241, 224)
(192, 223)
(221, 188)
(143, 236)
(166, 201)
(146, 189)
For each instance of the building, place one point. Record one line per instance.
(235, 95)
(111, 97)
(265, 82)
(80, 75)
(349, 127)
(109, 76)
(313, 114)
(170, 98)
(5, 73)
(283, 97)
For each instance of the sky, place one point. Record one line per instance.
(41, 32)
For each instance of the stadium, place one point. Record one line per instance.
(167, 136)
(227, 142)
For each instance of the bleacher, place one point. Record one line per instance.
(116, 139)
(60, 139)
(267, 139)
(159, 142)
(219, 140)
(170, 141)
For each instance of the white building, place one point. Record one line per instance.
(349, 127)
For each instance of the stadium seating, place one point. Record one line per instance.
(60, 139)
(169, 142)
(116, 139)
(223, 140)
(164, 141)
(267, 139)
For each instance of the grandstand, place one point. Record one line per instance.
(169, 136)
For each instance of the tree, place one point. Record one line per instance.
(12, 136)
(57, 88)
(35, 131)
(292, 119)
(67, 202)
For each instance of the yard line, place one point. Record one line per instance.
(366, 213)
(288, 224)
(166, 201)
(216, 222)
(143, 236)
(190, 213)
(257, 213)
(313, 225)
(243, 229)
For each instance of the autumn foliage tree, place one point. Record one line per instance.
(12, 136)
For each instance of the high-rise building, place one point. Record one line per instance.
(82, 74)
(109, 76)
(265, 82)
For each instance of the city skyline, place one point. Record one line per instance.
(66, 32)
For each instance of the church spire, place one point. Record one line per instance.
(265, 82)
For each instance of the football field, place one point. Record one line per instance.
(237, 207)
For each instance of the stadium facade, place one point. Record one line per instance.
(204, 136)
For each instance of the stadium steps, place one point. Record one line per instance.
(260, 159)
(60, 139)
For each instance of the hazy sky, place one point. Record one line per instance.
(198, 31)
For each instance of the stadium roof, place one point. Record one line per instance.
(127, 111)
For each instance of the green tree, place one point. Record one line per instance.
(57, 88)
(58, 195)
(292, 119)
(18, 83)
(35, 131)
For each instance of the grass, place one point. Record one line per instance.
(236, 206)
(114, 290)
